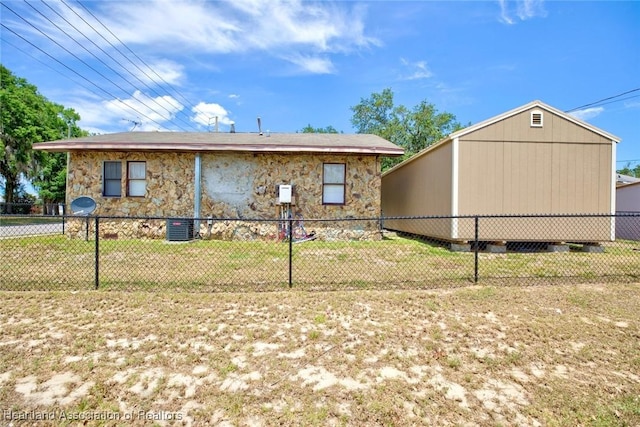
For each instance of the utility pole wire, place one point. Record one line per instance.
(169, 86)
(604, 99)
(75, 56)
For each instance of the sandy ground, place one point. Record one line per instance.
(542, 355)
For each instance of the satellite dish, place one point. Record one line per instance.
(83, 205)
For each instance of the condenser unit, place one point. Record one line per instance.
(179, 229)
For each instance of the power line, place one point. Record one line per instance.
(606, 99)
(170, 117)
(111, 96)
(100, 60)
(49, 66)
(168, 85)
(111, 57)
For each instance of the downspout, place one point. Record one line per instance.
(67, 203)
(197, 190)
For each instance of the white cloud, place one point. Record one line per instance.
(163, 70)
(149, 112)
(523, 9)
(587, 113)
(273, 26)
(417, 70)
(205, 115)
(311, 64)
(631, 104)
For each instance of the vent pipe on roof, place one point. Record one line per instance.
(216, 126)
(232, 128)
(259, 126)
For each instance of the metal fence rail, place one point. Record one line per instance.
(41, 252)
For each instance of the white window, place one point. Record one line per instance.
(136, 179)
(536, 119)
(111, 179)
(333, 184)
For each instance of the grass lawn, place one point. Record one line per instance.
(55, 262)
(29, 220)
(561, 355)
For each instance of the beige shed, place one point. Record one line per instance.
(532, 160)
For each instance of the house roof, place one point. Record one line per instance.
(534, 104)
(623, 180)
(338, 143)
(628, 185)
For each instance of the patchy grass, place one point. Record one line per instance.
(539, 355)
(206, 265)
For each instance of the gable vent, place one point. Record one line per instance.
(536, 118)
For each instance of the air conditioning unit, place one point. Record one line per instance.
(179, 229)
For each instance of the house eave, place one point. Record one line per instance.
(69, 147)
(213, 142)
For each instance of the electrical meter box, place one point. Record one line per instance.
(284, 193)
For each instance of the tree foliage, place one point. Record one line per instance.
(310, 129)
(412, 129)
(628, 170)
(27, 117)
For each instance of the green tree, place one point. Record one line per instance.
(27, 117)
(412, 129)
(310, 129)
(628, 170)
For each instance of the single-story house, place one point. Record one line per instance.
(532, 160)
(628, 201)
(226, 175)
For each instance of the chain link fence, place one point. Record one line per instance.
(41, 252)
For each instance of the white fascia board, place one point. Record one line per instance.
(613, 189)
(454, 186)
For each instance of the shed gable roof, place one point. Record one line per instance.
(503, 116)
(534, 104)
(240, 142)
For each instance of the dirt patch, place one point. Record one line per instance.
(533, 356)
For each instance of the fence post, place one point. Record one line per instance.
(97, 264)
(475, 250)
(290, 251)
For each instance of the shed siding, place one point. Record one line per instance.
(628, 200)
(534, 178)
(421, 187)
(507, 167)
(511, 168)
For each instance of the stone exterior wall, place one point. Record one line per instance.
(170, 183)
(233, 186)
(244, 185)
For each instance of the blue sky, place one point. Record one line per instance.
(176, 64)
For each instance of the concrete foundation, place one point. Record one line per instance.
(496, 248)
(593, 248)
(557, 248)
(459, 247)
